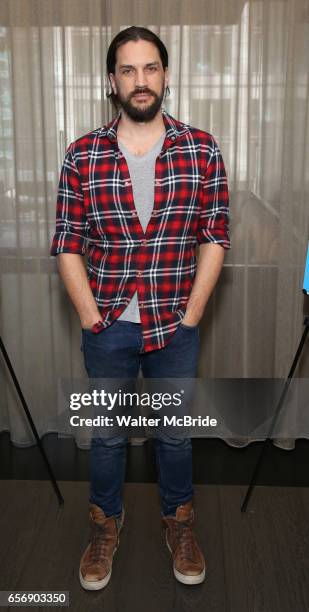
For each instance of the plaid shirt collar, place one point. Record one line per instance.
(174, 129)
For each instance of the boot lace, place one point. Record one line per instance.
(100, 540)
(185, 539)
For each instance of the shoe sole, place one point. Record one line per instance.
(183, 578)
(97, 585)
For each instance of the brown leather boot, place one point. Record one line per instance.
(188, 559)
(95, 567)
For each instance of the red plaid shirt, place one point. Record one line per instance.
(96, 215)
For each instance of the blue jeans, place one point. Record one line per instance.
(116, 352)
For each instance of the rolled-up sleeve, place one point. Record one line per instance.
(71, 222)
(213, 224)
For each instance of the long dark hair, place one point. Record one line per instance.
(133, 33)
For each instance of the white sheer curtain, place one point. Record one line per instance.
(238, 70)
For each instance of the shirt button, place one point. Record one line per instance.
(141, 305)
(154, 213)
(127, 184)
(173, 138)
(134, 213)
(144, 242)
(139, 273)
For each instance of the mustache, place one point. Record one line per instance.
(142, 90)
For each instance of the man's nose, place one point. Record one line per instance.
(140, 79)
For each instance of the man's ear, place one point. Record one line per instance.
(112, 81)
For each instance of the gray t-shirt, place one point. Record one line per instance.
(142, 173)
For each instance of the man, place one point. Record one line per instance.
(137, 196)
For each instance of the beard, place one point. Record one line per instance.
(142, 114)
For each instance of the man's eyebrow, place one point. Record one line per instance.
(131, 66)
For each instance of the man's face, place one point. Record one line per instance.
(139, 80)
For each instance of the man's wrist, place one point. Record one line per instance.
(191, 318)
(190, 321)
(89, 323)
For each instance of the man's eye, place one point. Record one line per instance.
(127, 71)
(152, 68)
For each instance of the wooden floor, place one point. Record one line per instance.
(256, 562)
